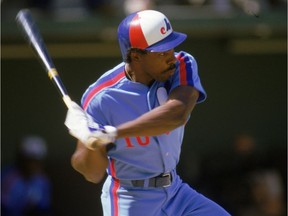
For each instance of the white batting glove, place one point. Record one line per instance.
(82, 127)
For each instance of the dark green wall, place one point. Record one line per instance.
(246, 92)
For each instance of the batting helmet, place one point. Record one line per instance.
(149, 30)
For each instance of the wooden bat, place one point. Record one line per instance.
(32, 34)
(26, 22)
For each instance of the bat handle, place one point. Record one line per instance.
(67, 100)
(54, 76)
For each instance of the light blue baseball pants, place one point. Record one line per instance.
(179, 199)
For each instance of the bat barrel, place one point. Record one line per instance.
(26, 22)
(33, 37)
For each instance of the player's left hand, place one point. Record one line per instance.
(82, 127)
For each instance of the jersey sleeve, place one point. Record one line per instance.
(94, 106)
(187, 74)
(96, 100)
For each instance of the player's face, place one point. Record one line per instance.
(159, 65)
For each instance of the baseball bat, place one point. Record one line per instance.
(32, 34)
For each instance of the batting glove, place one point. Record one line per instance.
(82, 127)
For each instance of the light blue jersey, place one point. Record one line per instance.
(112, 100)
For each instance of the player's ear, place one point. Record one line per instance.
(135, 56)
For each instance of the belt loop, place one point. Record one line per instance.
(146, 183)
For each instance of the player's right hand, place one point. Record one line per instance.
(82, 127)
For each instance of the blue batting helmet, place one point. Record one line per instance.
(149, 30)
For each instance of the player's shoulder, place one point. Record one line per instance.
(109, 78)
(184, 55)
(105, 82)
(113, 74)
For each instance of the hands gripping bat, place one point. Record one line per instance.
(30, 30)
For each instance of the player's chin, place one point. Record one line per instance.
(169, 73)
(164, 77)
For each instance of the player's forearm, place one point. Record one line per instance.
(164, 118)
(156, 122)
(91, 164)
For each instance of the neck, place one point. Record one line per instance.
(129, 74)
(135, 75)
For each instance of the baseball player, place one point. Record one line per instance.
(141, 106)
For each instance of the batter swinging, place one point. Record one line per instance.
(141, 106)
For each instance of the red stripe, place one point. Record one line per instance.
(112, 168)
(101, 87)
(115, 197)
(137, 38)
(183, 75)
(116, 185)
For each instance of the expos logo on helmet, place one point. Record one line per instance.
(164, 30)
